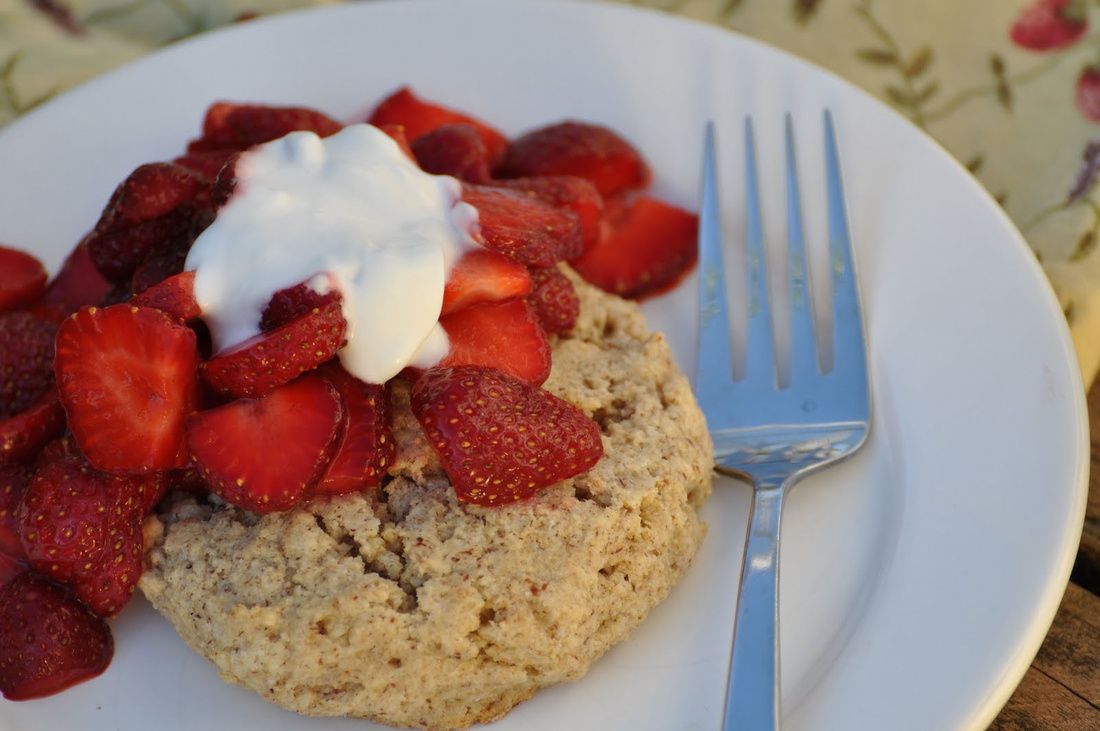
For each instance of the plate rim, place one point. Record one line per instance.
(1028, 644)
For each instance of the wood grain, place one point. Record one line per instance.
(1070, 654)
(1061, 690)
(1062, 687)
(1043, 704)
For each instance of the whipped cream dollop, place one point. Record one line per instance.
(349, 212)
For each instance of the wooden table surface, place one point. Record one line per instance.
(1061, 689)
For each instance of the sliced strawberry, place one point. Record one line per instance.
(174, 296)
(189, 480)
(26, 360)
(577, 148)
(524, 228)
(22, 279)
(365, 448)
(50, 641)
(119, 294)
(420, 117)
(239, 126)
(82, 527)
(120, 250)
(64, 447)
(153, 487)
(128, 380)
(207, 163)
(262, 363)
(10, 568)
(484, 276)
(23, 434)
(397, 133)
(78, 283)
(160, 205)
(646, 248)
(166, 260)
(501, 335)
(29, 412)
(569, 192)
(291, 303)
(554, 300)
(264, 454)
(151, 191)
(453, 149)
(226, 182)
(501, 439)
(13, 483)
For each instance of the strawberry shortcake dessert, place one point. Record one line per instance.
(365, 411)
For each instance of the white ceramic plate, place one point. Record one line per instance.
(918, 578)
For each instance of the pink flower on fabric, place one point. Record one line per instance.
(1048, 25)
(1087, 93)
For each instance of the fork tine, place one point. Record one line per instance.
(760, 345)
(849, 359)
(715, 368)
(804, 365)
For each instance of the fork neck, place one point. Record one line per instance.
(762, 477)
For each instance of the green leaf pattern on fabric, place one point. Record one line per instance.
(1010, 87)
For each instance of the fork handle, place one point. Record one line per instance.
(752, 691)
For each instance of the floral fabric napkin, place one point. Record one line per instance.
(1010, 87)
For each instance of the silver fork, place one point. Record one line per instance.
(771, 436)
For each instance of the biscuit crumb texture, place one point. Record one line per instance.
(405, 607)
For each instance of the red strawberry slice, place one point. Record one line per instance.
(501, 335)
(207, 163)
(128, 380)
(524, 228)
(82, 527)
(189, 480)
(420, 117)
(174, 296)
(169, 258)
(50, 641)
(226, 182)
(152, 487)
(554, 300)
(365, 448)
(264, 454)
(13, 483)
(569, 192)
(260, 364)
(397, 134)
(29, 412)
(62, 448)
(238, 126)
(577, 148)
(500, 439)
(26, 360)
(1048, 25)
(453, 149)
(484, 276)
(646, 248)
(22, 279)
(77, 284)
(151, 191)
(23, 434)
(117, 251)
(287, 305)
(160, 205)
(10, 568)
